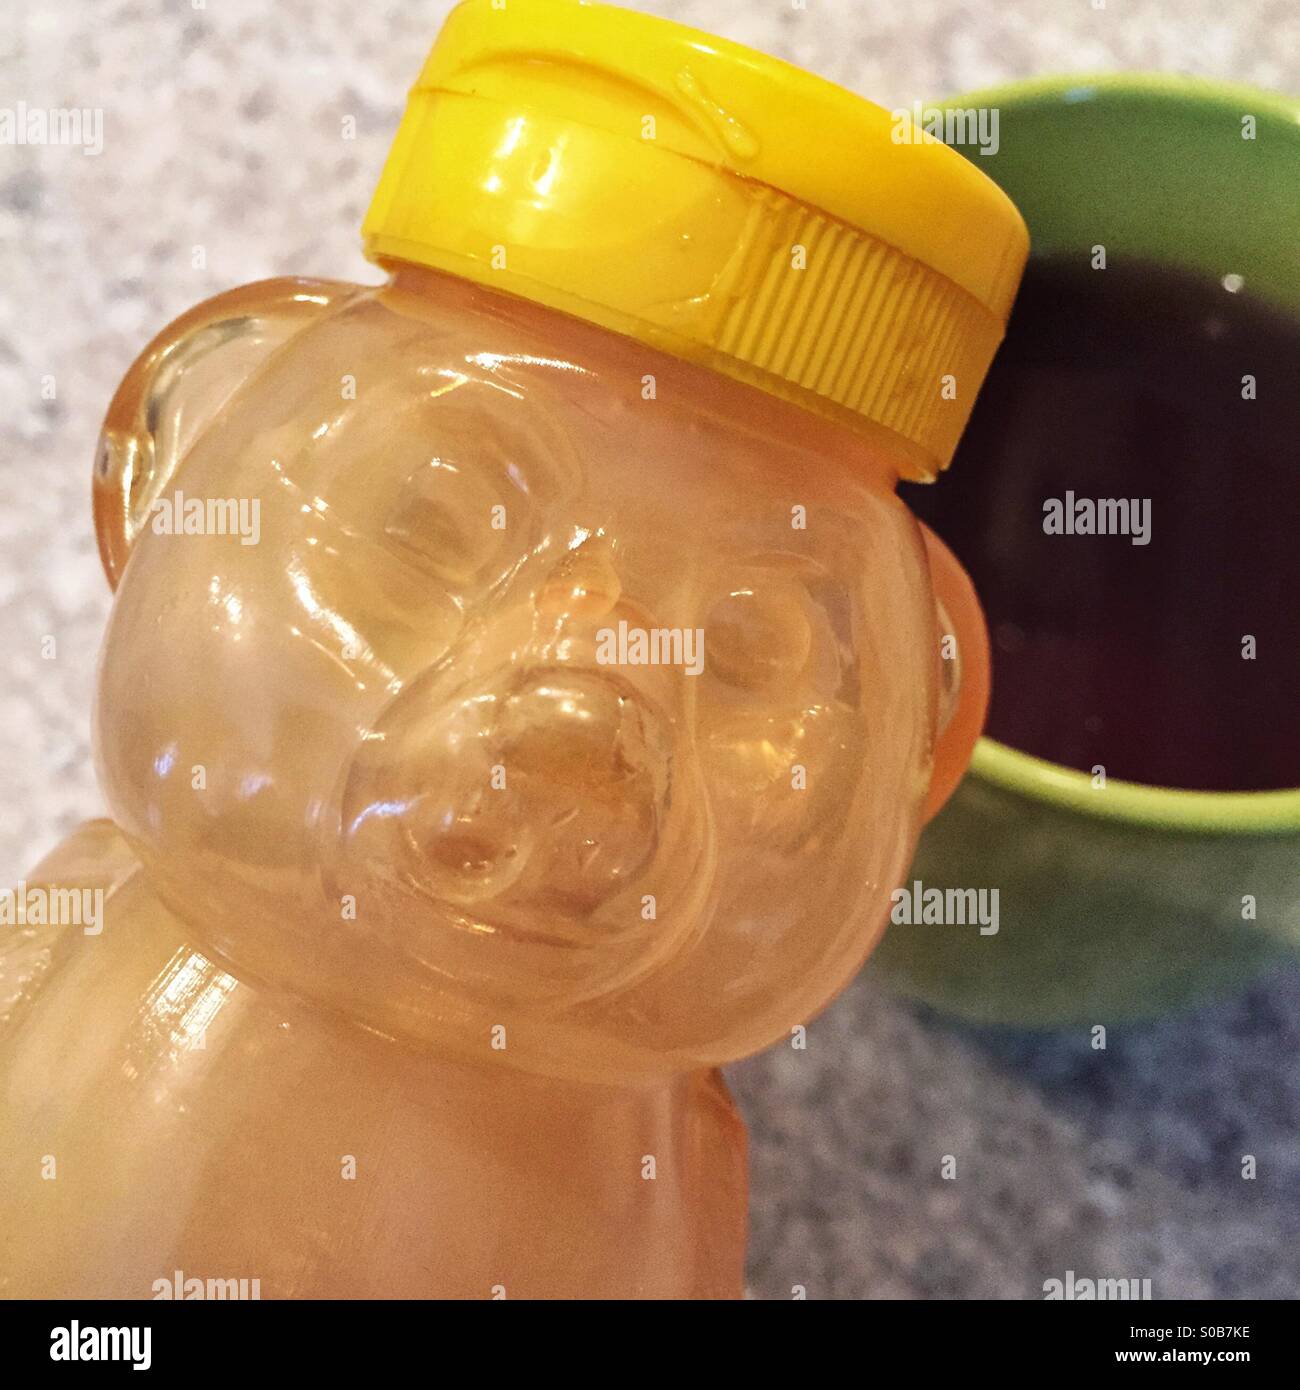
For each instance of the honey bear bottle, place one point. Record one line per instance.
(523, 690)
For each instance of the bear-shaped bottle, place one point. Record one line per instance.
(523, 690)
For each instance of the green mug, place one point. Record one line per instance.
(1125, 904)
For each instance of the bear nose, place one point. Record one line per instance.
(542, 790)
(583, 586)
(565, 772)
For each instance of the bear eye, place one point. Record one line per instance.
(759, 634)
(454, 519)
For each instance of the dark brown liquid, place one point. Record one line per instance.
(1127, 383)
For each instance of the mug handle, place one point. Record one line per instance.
(963, 675)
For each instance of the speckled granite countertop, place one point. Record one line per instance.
(222, 131)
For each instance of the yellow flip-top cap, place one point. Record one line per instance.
(713, 202)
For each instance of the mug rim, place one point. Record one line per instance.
(1136, 803)
(1174, 86)
(1039, 779)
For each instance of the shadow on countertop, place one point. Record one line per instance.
(1122, 1163)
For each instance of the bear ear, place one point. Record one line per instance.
(176, 387)
(964, 666)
